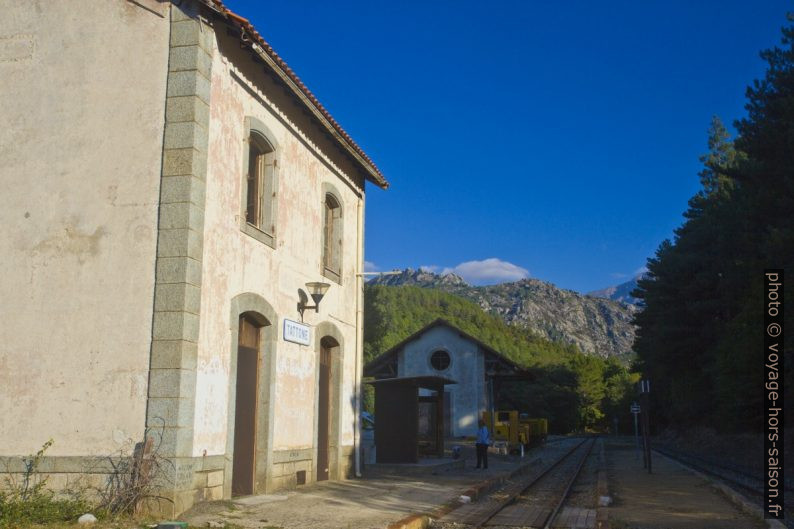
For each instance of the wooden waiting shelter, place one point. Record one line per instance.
(408, 424)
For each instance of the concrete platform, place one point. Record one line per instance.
(429, 466)
(673, 497)
(387, 501)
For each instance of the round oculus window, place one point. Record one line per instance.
(440, 360)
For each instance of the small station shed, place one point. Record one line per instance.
(409, 424)
(442, 350)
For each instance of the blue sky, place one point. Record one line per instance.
(555, 140)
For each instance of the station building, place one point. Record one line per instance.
(442, 350)
(172, 192)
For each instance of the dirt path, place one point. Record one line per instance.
(670, 498)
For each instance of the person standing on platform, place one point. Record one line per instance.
(482, 444)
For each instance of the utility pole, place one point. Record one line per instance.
(645, 392)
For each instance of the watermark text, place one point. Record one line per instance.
(773, 388)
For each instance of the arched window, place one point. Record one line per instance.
(259, 184)
(440, 360)
(259, 195)
(332, 237)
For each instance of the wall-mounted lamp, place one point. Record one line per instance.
(316, 291)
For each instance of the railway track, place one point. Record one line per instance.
(535, 500)
(742, 479)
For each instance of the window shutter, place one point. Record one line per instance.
(338, 235)
(252, 193)
(260, 187)
(269, 193)
(328, 235)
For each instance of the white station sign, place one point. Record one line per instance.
(297, 332)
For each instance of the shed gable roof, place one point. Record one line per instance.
(496, 363)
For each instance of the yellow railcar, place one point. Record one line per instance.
(538, 429)
(517, 429)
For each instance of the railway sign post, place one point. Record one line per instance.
(635, 410)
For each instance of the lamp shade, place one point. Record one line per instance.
(317, 290)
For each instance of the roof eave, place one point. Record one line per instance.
(251, 37)
(383, 357)
(372, 174)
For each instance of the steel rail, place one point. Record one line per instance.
(711, 461)
(708, 466)
(512, 497)
(568, 487)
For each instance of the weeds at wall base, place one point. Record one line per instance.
(26, 502)
(42, 508)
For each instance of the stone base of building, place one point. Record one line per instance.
(182, 482)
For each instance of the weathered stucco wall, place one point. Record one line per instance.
(235, 263)
(466, 368)
(83, 90)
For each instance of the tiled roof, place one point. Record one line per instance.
(373, 173)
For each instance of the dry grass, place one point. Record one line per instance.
(135, 479)
(116, 523)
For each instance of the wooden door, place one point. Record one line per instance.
(324, 414)
(243, 463)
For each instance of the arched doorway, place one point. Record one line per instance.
(249, 434)
(328, 348)
(245, 404)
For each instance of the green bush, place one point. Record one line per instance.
(41, 508)
(27, 501)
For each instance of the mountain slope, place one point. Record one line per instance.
(597, 326)
(621, 292)
(393, 313)
(571, 389)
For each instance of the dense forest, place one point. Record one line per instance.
(700, 333)
(575, 391)
(700, 337)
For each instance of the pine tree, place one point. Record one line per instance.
(700, 332)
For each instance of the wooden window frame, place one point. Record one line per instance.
(332, 237)
(260, 225)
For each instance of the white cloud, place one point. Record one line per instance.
(369, 266)
(430, 268)
(641, 270)
(618, 275)
(488, 271)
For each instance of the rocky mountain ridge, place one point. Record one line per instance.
(621, 292)
(597, 326)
